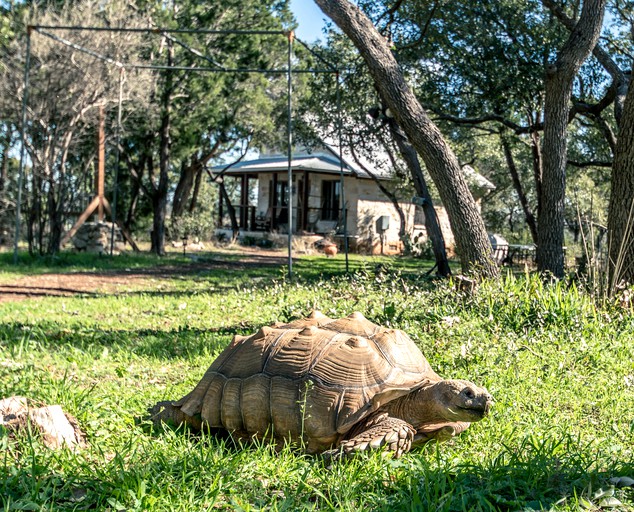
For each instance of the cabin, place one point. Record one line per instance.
(320, 186)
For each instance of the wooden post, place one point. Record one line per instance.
(99, 202)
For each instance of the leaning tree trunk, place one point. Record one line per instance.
(188, 186)
(185, 185)
(559, 81)
(621, 210)
(466, 222)
(519, 189)
(196, 192)
(432, 226)
(130, 218)
(224, 196)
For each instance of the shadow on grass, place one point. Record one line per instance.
(174, 265)
(151, 343)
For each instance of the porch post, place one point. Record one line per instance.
(274, 204)
(220, 203)
(244, 201)
(305, 202)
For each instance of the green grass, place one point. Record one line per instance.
(560, 368)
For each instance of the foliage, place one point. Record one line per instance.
(559, 366)
(66, 89)
(479, 67)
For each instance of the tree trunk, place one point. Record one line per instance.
(432, 225)
(185, 184)
(528, 214)
(538, 173)
(35, 228)
(159, 197)
(55, 222)
(224, 196)
(4, 165)
(130, 218)
(468, 227)
(190, 178)
(558, 90)
(196, 192)
(621, 210)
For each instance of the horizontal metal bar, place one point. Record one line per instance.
(194, 51)
(316, 55)
(160, 30)
(81, 48)
(226, 70)
(104, 58)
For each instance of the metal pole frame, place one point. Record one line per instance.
(288, 71)
(344, 210)
(18, 206)
(289, 128)
(113, 208)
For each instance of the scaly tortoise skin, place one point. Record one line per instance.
(335, 386)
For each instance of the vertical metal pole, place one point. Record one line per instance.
(117, 160)
(25, 94)
(344, 211)
(289, 129)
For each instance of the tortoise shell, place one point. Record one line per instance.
(309, 380)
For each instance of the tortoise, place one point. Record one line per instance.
(332, 386)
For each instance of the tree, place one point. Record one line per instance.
(621, 210)
(356, 109)
(208, 113)
(471, 237)
(66, 88)
(558, 91)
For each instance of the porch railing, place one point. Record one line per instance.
(276, 218)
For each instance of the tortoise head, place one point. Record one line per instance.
(447, 401)
(461, 400)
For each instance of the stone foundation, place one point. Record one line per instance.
(95, 237)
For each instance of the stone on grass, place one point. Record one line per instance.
(55, 428)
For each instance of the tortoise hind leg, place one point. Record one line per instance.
(380, 433)
(167, 412)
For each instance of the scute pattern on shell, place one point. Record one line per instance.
(312, 378)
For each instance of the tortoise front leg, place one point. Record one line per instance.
(439, 432)
(380, 433)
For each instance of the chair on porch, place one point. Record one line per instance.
(263, 221)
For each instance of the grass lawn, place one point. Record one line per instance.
(560, 367)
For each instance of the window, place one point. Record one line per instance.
(330, 194)
(282, 193)
(419, 216)
(278, 201)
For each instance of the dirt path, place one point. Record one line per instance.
(111, 281)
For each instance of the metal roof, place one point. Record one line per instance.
(322, 161)
(326, 160)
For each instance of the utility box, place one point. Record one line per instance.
(383, 223)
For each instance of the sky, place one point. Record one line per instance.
(310, 20)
